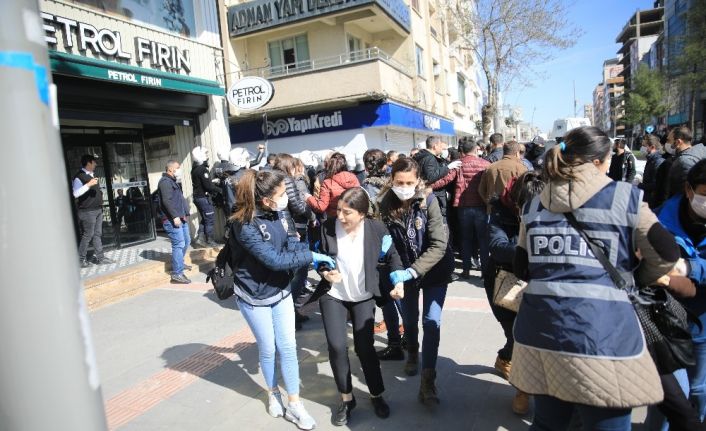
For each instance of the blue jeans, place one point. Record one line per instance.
(392, 320)
(181, 239)
(474, 226)
(433, 303)
(697, 378)
(273, 327)
(552, 414)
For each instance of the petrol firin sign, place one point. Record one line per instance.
(250, 93)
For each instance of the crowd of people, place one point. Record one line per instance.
(386, 233)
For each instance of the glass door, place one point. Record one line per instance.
(122, 175)
(90, 144)
(130, 190)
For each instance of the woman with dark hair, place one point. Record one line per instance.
(265, 258)
(337, 179)
(579, 347)
(376, 166)
(503, 229)
(413, 216)
(298, 215)
(361, 248)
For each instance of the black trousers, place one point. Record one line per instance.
(334, 313)
(682, 416)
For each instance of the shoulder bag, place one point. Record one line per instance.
(664, 320)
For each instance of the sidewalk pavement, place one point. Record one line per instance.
(177, 358)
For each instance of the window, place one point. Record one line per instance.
(461, 89)
(355, 48)
(415, 5)
(289, 54)
(419, 56)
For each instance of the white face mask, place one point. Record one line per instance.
(404, 193)
(698, 204)
(178, 175)
(444, 153)
(669, 149)
(282, 202)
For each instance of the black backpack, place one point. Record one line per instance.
(221, 276)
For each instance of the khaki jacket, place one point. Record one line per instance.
(496, 177)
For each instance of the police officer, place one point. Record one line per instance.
(572, 317)
(204, 190)
(89, 202)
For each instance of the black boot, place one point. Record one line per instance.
(382, 410)
(393, 352)
(343, 412)
(411, 367)
(427, 388)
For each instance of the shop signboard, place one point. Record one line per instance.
(357, 117)
(250, 93)
(257, 15)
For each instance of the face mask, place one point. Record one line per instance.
(178, 175)
(698, 204)
(282, 202)
(444, 154)
(404, 193)
(669, 149)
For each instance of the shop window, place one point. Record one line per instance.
(289, 55)
(419, 56)
(461, 89)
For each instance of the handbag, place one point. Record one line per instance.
(508, 290)
(664, 320)
(221, 276)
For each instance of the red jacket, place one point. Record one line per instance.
(331, 189)
(466, 191)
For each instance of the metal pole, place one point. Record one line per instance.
(265, 133)
(48, 376)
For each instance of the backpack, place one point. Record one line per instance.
(221, 276)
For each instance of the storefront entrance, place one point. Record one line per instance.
(122, 174)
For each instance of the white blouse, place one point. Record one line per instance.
(350, 262)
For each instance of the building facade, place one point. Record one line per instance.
(350, 75)
(675, 29)
(137, 83)
(613, 103)
(598, 107)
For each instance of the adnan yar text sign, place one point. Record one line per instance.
(258, 15)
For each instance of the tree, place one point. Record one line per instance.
(508, 37)
(645, 99)
(691, 63)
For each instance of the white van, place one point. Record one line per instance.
(563, 125)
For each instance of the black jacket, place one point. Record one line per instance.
(683, 162)
(495, 155)
(266, 258)
(377, 267)
(622, 167)
(503, 230)
(171, 198)
(431, 169)
(297, 209)
(649, 178)
(201, 181)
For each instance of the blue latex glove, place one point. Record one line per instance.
(400, 276)
(322, 258)
(386, 243)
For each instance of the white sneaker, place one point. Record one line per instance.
(297, 414)
(275, 407)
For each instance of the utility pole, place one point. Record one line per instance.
(48, 375)
(575, 112)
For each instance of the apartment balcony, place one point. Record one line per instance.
(358, 75)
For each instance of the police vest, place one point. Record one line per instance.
(571, 306)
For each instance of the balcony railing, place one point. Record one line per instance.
(345, 59)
